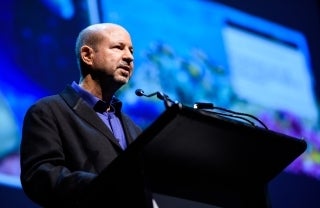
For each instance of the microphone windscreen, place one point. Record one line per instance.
(139, 92)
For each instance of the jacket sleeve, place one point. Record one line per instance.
(45, 177)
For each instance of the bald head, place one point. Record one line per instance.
(93, 35)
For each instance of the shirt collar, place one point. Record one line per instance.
(94, 102)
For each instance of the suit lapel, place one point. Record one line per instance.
(86, 113)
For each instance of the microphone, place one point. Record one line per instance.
(140, 92)
(160, 95)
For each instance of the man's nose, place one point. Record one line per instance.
(128, 56)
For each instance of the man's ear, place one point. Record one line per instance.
(86, 54)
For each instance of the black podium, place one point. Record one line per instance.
(199, 156)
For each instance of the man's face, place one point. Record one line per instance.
(113, 56)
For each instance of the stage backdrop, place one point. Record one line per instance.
(258, 58)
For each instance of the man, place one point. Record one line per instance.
(70, 139)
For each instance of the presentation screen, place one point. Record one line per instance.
(203, 51)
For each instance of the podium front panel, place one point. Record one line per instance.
(198, 155)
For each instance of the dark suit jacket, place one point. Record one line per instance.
(64, 147)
